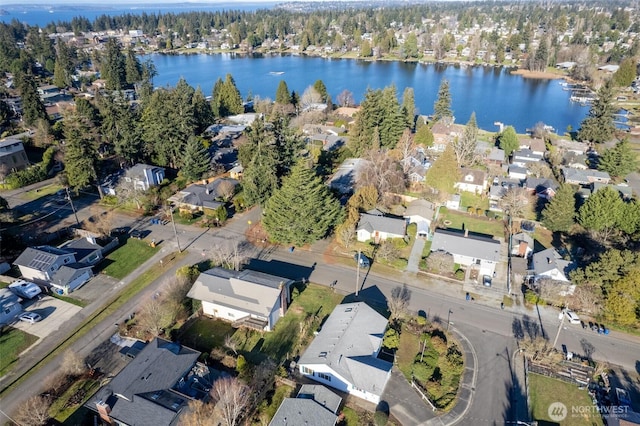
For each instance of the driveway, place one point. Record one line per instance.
(404, 402)
(54, 312)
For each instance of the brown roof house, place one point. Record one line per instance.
(471, 180)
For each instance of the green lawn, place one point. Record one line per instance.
(406, 353)
(12, 342)
(128, 257)
(294, 331)
(545, 390)
(40, 192)
(477, 224)
(206, 333)
(268, 407)
(468, 199)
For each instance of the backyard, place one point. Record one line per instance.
(12, 343)
(122, 261)
(545, 391)
(477, 224)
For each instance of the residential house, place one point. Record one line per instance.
(12, 155)
(521, 245)
(549, 264)
(576, 147)
(344, 353)
(471, 180)
(575, 161)
(10, 306)
(153, 389)
(85, 250)
(626, 192)
(60, 268)
(584, 177)
(144, 176)
(314, 405)
(344, 179)
(205, 197)
(524, 157)
(495, 156)
(421, 213)
(236, 172)
(468, 250)
(445, 132)
(535, 145)
(517, 172)
(542, 187)
(379, 228)
(246, 298)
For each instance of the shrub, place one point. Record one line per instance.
(412, 229)
(186, 214)
(459, 274)
(471, 210)
(380, 418)
(479, 211)
(491, 215)
(532, 297)
(420, 320)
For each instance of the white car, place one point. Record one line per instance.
(30, 317)
(572, 317)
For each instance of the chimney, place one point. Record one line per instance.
(548, 260)
(466, 233)
(104, 410)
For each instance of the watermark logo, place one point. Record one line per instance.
(557, 411)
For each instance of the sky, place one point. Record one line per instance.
(138, 2)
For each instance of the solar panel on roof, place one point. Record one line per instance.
(41, 261)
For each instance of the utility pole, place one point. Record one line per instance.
(559, 328)
(510, 248)
(358, 275)
(73, 208)
(448, 322)
(175, 232)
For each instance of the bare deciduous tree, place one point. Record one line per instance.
(540, 349)
(309, 97)
(230, 397)
(517, 201)
(346, 233)
(407, 147)
(226, 190)
(540, 170)
(382, 172)
(34, 411)
(126, 192)
(229, 343)
(230, 254)
(72, 363)
(101, 224)
(345, 99)
(388, 251)
(198, 414)
(399, 301)
(154, 316)
(440, 261)
(587, 298)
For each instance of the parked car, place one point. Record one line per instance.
(136, 234)
(362, 260)
(486, 280)
(572, 317)
(30, 317)
(25, 289)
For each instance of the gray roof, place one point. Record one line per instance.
(381, 223)
(548, 260)
(582, 176)
(141, 394)
(322, 395)
(40, 258)
(517, 169)
(473, 246)
(348, 343)
(496, 154)
(527, 155)
(522, 237)
(138, 170)
(345, 177)
(202, 195)
(83, 248)
(625, 191)
(422, 208)
(301, 411)
(249, 291)
(67, 273)
(541, 184)
(7, 297)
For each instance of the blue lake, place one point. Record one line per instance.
(492, 92)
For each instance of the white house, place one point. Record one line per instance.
(246, 298)
(521, 245)
(344, 354)
(421, 213)
(468, 250)
(472, 180)
(379, 228)
(144, 176)
(549, 264)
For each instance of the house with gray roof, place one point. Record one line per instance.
(10, 306)
(379, 228)
(148, 390)
(144, 176)
(204, 197)
(524, 157)
(542, 187)
(467, 249)
(521, 244)
(246, 298)
(344, 179)
(495, 156)
(12, 155)
(344, 354)
(626, 192)
(584, 177)
(550, 264)
(315, 405)
(421, 213)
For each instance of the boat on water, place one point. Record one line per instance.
(276, 72)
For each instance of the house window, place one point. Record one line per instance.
(230, 315)
(324, 376)
(307, 371)
(66, 260)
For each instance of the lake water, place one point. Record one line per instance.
(492, 92)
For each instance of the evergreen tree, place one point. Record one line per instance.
(202, 111)
(626, 73)
(231, 100)
(216, 98)
(195, 160)
(260, 179)
(63, 68)
(559, 213)
(133, 68)
(409, 107)
(598, 126)
(444, 172)
(288, 143)
(303, 210)
(602, 212)
(619, 160)
(424, 136)
(508, 140)
(32, 107)
(283, 97)
(113, 66)
(442, 105)
(80, 152)
(393, 121)
(321, 89)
